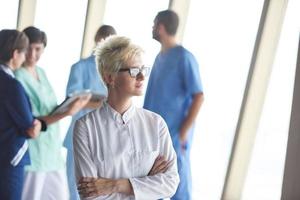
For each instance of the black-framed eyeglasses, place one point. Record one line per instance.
(135, 71)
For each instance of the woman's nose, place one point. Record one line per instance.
(140, 76)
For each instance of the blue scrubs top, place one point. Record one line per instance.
(84, 75)
(174, 79)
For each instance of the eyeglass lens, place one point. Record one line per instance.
(135, 71)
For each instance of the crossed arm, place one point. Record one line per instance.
(163, 172)
(92, 187)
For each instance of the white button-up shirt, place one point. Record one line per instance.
(110, 145)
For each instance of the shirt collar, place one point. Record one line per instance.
(7, 70)
(122, 119)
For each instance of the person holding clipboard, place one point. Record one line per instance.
(45, 177)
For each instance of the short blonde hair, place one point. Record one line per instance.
(114, 53)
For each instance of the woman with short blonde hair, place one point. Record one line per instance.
(121, 151)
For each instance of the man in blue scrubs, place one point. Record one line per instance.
(175, 92)
(84, 75)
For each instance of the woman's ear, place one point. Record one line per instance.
(109, 79)
(15, 54)
(14, 58)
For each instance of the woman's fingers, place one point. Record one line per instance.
(90, 187)
(157, 162)
(160, 165)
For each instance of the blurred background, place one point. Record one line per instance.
(227, 38)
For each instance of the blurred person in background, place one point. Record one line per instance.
(45, 177)
(17, 123)
(175, 92)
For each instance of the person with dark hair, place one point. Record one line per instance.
(17, 123)
(84, 76)
(103, 32)
(122, 152)
(45, 177)
(175, 92)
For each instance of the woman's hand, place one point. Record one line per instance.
(92, 187)
(78, 104)
(161, 165)
(94, 104)
(34, 131)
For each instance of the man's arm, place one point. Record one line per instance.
(191, 116)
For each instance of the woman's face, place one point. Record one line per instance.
(34, 53)
(127, 85)
(18, 59)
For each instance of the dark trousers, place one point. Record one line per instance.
(11, 182)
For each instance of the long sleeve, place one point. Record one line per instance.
(112, 146)
(18, 107)
(84, 165)
(161, 185)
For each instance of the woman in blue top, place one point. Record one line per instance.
(16, 121)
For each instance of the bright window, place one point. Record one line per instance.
(221, 34)
(134, 19)
(64, 28)
(8, 14)
(265, 175)
(63, 22)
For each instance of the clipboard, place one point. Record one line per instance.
(63, 107)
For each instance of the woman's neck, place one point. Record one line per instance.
(10, 65)
(32, 71)
(118, 103)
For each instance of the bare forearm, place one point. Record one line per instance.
(93, 104)
(34, 131)
(50, 119)
(124, 186)
(72, 109)
(91, 187)
(192, 114)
